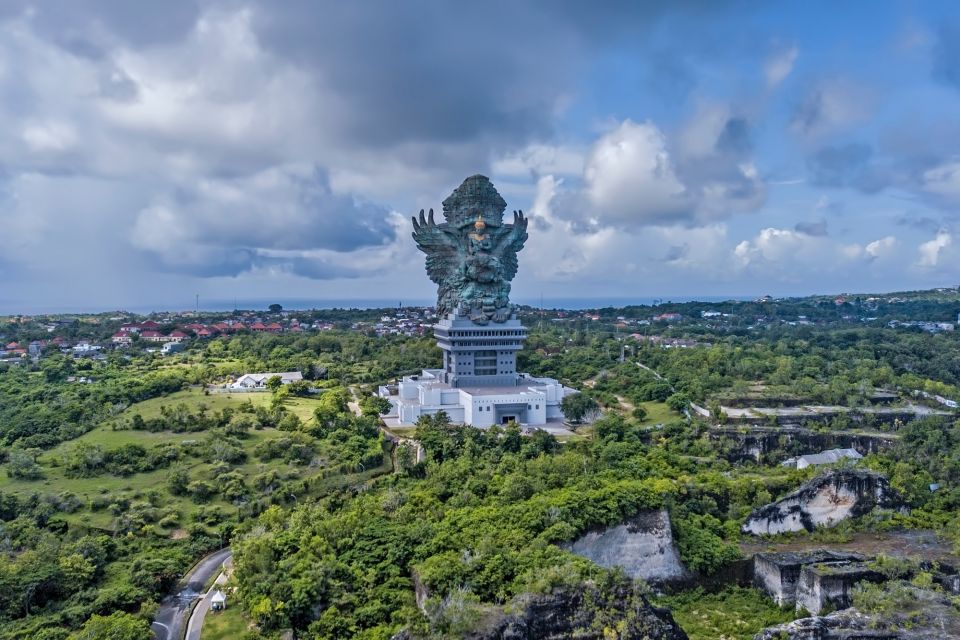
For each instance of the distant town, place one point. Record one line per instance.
(669, 325)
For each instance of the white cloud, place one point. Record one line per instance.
(881, 248)
(943, 181)
(930, 251)
(630, 177)
(780, 65)
(540, 159)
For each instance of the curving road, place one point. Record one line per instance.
(172, 615)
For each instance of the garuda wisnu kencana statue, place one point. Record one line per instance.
(473, 255)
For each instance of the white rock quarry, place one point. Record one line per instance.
(823, 502)
(643, 546)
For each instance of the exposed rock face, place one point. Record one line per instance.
(930, 616)
(581, 614)
(643, 546)
(577, 615)
(772, 444)
(824, 501)
(778, 574)
(830, 584)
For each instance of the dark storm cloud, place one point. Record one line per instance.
(946, 55)
(434, 71)
(818, 228)
(850, 165)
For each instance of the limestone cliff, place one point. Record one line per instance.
(921, 615)
(585, 613)
(824, 501)
(643, 546)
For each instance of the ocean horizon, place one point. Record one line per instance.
(307, 304)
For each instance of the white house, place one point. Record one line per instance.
(259, 380)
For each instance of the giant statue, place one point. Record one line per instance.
(472, 256)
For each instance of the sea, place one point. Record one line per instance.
(297, 304)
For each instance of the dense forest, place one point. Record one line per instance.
(111, 488)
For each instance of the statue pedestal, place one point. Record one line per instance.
(479, 355)
(478, 384)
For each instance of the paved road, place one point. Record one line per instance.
(172, 615)
(195, 624)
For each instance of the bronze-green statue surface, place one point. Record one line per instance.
(472, 256)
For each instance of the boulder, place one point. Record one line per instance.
(823, 502)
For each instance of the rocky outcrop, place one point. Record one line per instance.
(823, 502)
(583, 613)
(772, 444)
(922, 615)
(778, 574)
(830, 585)
(643, 546)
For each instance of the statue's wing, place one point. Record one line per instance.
(439, 244)
(512, 243)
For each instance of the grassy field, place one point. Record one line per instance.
(194, 397)
(229, 624)
(658, 412)
(138, 487)
(734, 613)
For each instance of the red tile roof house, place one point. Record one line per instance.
(14, 349)
(203, 332)
(152, 336)
(258, 326)
(274, 327)
(149, 325)
(122, 337)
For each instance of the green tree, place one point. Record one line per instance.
(578, 406)
(77, 570)
(117, 626)
(274, 383)
(23, 465)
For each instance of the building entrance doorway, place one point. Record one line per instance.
(507, 419)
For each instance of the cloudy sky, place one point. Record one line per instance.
(275, 150)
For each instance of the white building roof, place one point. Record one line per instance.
(828, 457)
(218, 596)
(290, 376)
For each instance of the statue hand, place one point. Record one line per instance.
(519, 221)
(423, 223)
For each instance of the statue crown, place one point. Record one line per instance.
(474, 202)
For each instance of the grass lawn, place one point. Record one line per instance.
(734, 613)
(229, 624)
(193, 398)
(658, 412)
